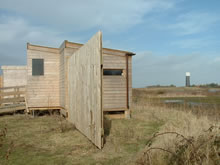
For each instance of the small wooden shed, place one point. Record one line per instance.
(50, 89)
(14, 76)
(85, 82)
(117, 79)
(43, 77)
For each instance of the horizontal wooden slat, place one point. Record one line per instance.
(114, 105)
(43, 99)
(115, 89)
(105, 55)
(34, 48)
(12, 105)
(34, 104)
(122, 83)
(109, 66)
(12, 87)
(7, 109)
(115, 85)
(115, 92)
(12, 93)
(120, 104)
(45, 108)
(115, 79)
(118, 99)
(11, 100)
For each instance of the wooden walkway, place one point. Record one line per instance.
(13, 99)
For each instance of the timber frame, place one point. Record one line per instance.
(112, 59)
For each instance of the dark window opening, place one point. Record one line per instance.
(114, 112)
(37, 67)
(112, 72)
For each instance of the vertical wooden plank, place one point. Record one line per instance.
(127, 81)
(102, 106)
(85, 89)
(1, 82)
(61, 80)
(130, 81)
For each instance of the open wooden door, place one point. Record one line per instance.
(85, 90)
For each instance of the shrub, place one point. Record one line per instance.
(201, 150)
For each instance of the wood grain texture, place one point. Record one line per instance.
(104, 50)
(64, 76)
(12, 99)
(1, 82)
(62, 79)
(130, 80)
(14, 76)
(114, 87)
(85, 87)
(43, 91)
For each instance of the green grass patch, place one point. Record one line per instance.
(41, 140)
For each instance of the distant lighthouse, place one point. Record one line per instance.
(187, 79)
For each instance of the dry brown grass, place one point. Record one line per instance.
(205, 103)
(177, 139)
(52, 140)
(171, 92)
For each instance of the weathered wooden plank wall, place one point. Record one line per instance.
(43, 91)
(112, 85)
(1, 82)
(85, 90)
(65, 54)
(12, 99)
(14, 76)
(115, 87)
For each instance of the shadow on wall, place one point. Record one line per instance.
(107, 128)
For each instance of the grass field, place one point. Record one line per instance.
(52, 140)
(44, 140)
(200, 101)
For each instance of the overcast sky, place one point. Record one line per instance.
(170, 37)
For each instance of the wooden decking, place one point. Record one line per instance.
(13, 99)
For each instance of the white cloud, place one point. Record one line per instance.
(111, 15)
(194, 43)
(15, 32)
(52, 21)
(194, 22)
(16, 29)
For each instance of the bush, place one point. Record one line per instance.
(201, 150)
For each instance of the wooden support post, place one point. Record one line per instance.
(127, 113)
(18, 92)
(27, 110)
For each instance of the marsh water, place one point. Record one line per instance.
(191, 103)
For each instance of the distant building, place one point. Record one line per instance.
(187, 79)
(13, 76)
